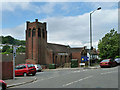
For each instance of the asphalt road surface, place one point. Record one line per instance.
(76, 78)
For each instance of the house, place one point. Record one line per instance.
(94, 55)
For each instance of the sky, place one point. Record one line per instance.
(67, 22)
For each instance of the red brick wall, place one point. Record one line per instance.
(30, 61)
(76, 55)
(7, 70)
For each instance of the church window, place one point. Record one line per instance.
(39, 32)
(33, 32)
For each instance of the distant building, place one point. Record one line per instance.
(94, 54)
(2, 45)
(41, 52)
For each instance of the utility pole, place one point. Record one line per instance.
(91, 47)
(14, 55)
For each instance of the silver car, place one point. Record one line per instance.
(38, 67)
(117, 60)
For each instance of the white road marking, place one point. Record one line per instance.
(108, 72)
(76, 81)
(79, 71)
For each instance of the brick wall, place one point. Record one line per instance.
(6, 64)
(76, 55)
(20, 58)
(7, 70)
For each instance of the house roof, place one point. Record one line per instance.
(93, 51)
(58, 47)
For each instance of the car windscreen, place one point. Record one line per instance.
(107, 60)
(30, 65)
(20, 67)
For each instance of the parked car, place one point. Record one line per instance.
(117, 61)
(3, 85)
(25, 69)
(107, 63)
(38, 67)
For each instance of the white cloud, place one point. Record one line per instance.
(17, 32)
(74, 30)
(12, 6)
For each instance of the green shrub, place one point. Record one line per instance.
(5, 53)
(117, 57)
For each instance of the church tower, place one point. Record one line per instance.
(36, 42)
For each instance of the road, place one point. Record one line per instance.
(76, 78)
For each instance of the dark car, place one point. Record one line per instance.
(107, 63)
(3, 85)
(25, 69)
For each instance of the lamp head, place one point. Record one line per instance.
(99, 8)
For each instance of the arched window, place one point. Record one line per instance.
(29, 32)
(33, 32)
(39, 32)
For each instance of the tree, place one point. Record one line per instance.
(5, 48)
(109, 45)
(10, 40)
(21, 49)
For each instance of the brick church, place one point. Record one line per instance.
(40, 52)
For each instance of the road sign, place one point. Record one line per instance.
(83, 59)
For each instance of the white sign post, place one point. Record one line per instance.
(14, 55)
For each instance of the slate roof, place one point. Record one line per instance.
(58, 47)
(63, 48)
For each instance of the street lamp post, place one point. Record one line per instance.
(91, 34)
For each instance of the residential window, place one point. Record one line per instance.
(39, 32)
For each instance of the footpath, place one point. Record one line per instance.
(20, 81)
(28, 79)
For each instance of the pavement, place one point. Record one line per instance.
(20, 81)
(28, 79)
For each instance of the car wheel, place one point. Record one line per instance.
(3, 87)
(101, 66)
(24, 74)
(0, 87)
